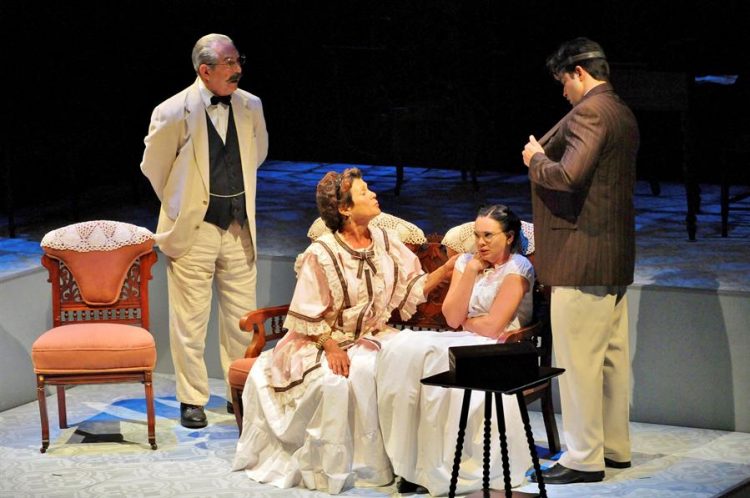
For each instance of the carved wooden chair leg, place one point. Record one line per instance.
(41, 397)
(62, 412)
(238, 409)
(150, 412)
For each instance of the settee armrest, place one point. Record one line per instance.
(528, 333)
(255, 322)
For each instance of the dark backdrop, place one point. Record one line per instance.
(444, 83)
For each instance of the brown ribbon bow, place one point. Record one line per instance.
(364, 257)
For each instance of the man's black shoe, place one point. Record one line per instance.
(230, 407)
(405, 486)
(192, 416)
(615, 464)
(563, 475)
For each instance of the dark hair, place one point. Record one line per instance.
(579, 52)
(508, 221)
(334, 192)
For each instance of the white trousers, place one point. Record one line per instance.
(224, 259)
(590, 341)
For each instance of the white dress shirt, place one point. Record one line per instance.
(219, 113)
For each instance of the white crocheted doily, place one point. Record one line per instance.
(409, 233)
(461, 238)
(99, 235)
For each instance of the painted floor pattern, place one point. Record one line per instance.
(106, 453)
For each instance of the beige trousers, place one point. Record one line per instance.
(590, 341)
(223, 259)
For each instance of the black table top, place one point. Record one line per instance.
(447, 379)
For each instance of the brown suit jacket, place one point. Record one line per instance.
(582, 194)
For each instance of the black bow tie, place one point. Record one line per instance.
(226, 100)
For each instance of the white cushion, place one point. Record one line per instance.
(409, 233)
(99, 235)
(461, 238)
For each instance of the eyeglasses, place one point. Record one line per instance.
(485, 236)
(239, 61)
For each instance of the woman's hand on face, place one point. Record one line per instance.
(477, 264)
(338, 360)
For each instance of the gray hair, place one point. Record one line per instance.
(204, 52)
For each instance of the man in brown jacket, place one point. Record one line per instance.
(582, 176)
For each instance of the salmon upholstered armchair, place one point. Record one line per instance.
(99, 271)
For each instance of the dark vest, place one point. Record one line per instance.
(225, 177)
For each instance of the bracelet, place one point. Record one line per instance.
(322, 340)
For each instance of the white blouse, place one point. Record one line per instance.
(488, 283)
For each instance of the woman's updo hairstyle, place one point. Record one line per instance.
(334, 192)
(508, 221)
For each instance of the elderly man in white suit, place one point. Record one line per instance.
(203, 148)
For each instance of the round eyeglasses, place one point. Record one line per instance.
(485, 236)
(239, 61)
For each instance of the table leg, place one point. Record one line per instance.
(460, 442)
(532, 447)
(503, 443)
(487, 429)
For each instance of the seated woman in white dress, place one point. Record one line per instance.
(310, 406)
(489, 294)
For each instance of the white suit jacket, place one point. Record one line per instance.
(176, 163)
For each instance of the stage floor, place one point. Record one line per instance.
(435, 200)
(107, 453)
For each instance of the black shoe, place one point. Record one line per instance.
(405, 486)
(615, 464)
(192, 416)
(230, 407)
(563, 475)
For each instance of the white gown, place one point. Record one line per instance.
(303, 424)
(420, 423)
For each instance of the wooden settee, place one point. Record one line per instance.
(267, 326)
